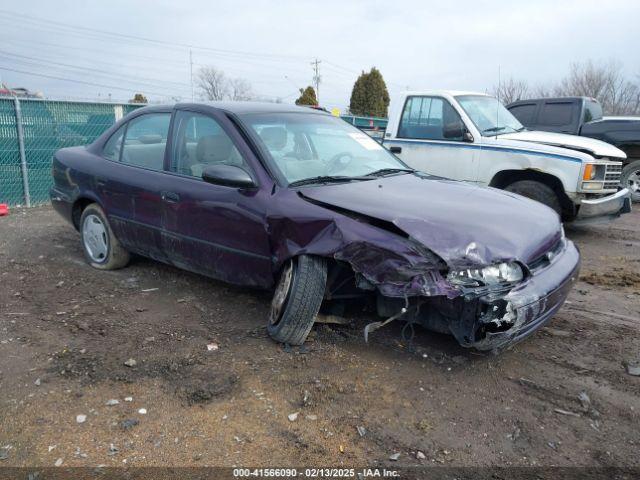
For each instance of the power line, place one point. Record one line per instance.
(2, 67)
(97, 32)
(89, 69)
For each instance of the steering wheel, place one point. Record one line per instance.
(339, 162)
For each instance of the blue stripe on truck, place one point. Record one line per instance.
(485, 147)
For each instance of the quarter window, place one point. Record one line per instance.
(111, 150)
(200, 141)
(145, 141)
(427, 118)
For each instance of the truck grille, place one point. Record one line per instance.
(612, 177)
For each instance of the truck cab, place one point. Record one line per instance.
(472, 137)
(583, 116)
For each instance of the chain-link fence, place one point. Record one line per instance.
(31, 130)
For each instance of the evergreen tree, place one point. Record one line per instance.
(369, 95)
(307, 97)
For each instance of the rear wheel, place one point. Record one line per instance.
(537, 191)
(297, 298)
(631, 179)
(101, 248)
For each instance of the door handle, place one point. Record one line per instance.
(395, 149)
(170, 197)
(101, 182)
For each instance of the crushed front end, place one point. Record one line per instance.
(494, 317)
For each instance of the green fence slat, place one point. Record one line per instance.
(11, 190)
(48, 125)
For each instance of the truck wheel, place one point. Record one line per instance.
(537, 191)
(631, 179)
(297, 299)
(101, 247)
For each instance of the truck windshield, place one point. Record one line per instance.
(489, 115)
(314, 148)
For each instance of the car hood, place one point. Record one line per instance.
(592, 146)
(464, 224)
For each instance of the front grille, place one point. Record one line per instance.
(545, 259)
(612, 176)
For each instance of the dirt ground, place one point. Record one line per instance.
(563, 397)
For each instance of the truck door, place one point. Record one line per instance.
(431, 138)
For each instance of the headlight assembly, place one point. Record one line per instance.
(502, 273)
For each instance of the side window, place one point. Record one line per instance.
(524, 113)
(145, 141)
(111, 150)
(430, 118)
(200, 141)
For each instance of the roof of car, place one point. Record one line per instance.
(256, 107)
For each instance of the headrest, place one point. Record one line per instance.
(213, 149)
(274, 137)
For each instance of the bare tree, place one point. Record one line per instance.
(604, 82)
(215, 85)
(212, 83)
(511, 90)
(240, 89)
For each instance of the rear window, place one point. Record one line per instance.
(556, 114)
(524, 113)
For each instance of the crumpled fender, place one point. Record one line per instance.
(397, 265)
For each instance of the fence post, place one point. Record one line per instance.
(23, 157)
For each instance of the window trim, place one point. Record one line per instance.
(204, 113)
(444, 100)
(125, 125)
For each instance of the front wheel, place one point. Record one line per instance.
(297, 298)
(537, 191)
(631, 179)
(101, 247)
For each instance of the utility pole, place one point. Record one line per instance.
(191, 73)
(316, 77)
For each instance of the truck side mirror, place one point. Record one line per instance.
(455, 130)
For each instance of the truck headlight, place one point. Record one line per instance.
(501, 273)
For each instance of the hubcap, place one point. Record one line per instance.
(633, 183)
(282, 292)
(94, 236)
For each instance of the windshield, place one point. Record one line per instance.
(308, 146)
(489, 115)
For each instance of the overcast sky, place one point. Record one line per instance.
(415, 44)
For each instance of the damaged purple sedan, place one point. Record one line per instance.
(298, 201)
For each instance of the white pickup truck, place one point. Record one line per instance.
(472, 137)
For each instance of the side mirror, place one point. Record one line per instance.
(453, 130)
(227, 175)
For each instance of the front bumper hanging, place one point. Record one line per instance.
(605, 208)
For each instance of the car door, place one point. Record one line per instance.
(216, 230)
(425, 142)
(131, 190)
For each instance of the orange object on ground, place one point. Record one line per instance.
(4, 209)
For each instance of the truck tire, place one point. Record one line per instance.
(100, 246)
(537, 191)
(631, 179)
(297, 298)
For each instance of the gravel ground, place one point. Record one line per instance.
(74, 339)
